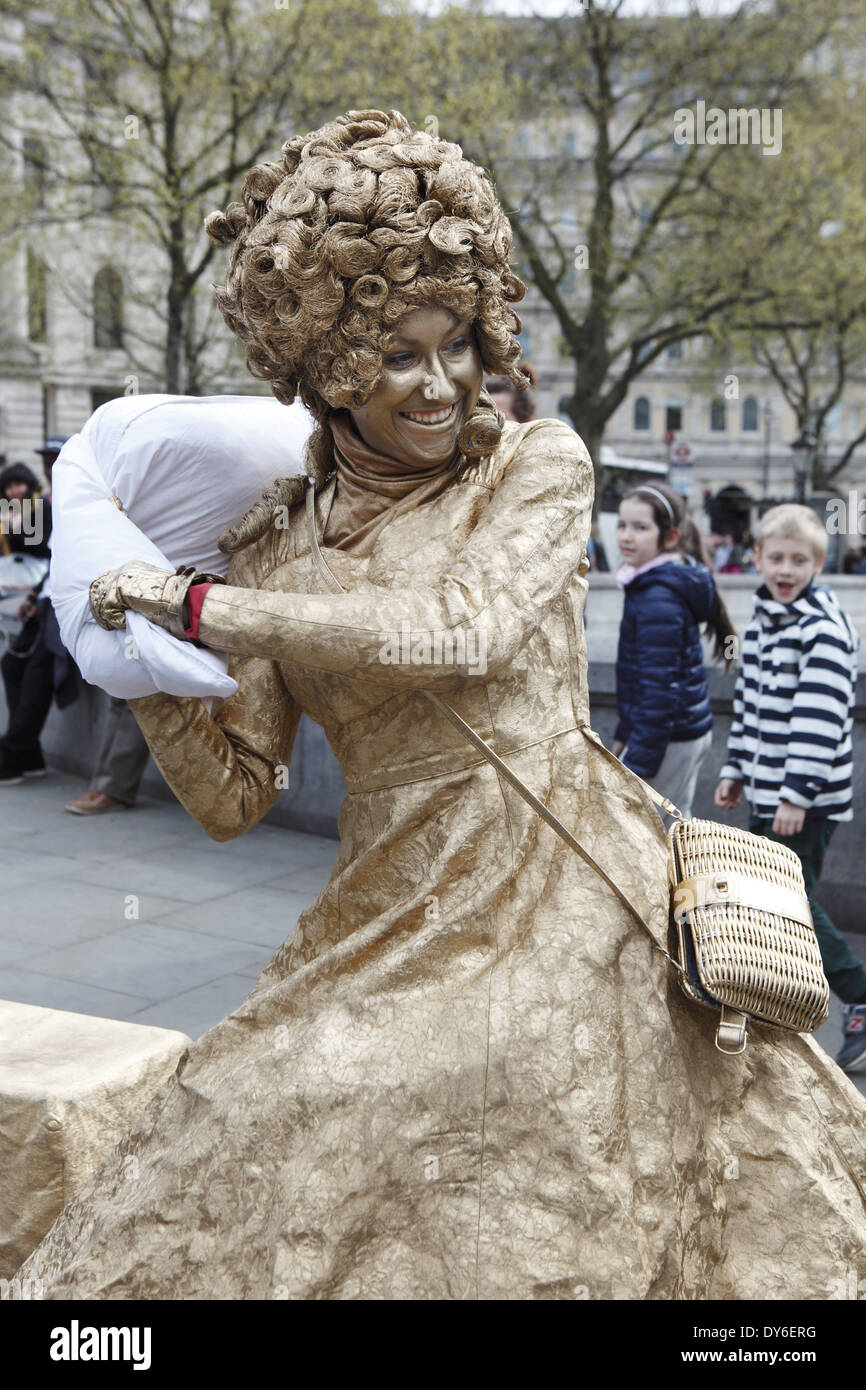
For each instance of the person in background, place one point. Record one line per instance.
(49, 454)
(665, 720)
(124, 753)
(790, 742)
(736, 561)
(514, 404)
(18, 483)
(853, 557)
(722, 552)
(120, 766)
(524, 404)
(502, 393)
(747, 544)
(595, 551)
(35, 670)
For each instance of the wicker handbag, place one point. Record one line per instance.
(746, 946)
(745, 936)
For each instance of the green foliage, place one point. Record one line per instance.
(667, 241)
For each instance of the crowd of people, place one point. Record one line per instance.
(37, 670)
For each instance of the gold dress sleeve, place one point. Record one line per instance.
(223, 766)
(519, 558)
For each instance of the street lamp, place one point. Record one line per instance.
(770, 415)
(803, 449)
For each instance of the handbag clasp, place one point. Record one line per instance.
(731, 1032)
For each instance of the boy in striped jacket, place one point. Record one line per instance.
(790, 741)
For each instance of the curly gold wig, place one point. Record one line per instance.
(359, 223)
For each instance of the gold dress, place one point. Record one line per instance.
(468, 1073)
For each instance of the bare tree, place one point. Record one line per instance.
(661, 244)
(150, 112)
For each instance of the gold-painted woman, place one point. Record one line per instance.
(468, 1073)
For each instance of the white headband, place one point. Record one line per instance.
(645, 487)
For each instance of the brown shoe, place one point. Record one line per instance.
(93, 804)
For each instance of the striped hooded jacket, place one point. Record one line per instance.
(793, 706)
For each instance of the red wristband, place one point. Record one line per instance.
(194, 600)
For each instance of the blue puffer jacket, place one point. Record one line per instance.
(661, 683)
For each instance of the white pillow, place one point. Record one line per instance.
(185, 468)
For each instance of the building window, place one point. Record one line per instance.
(37, 316)
(673, 417)
(568, 282)
(642, 413)
(833, 422)
(718, 416)
(675, 350)
(34, 170)
(107, 309)
(105, 178)
(101, 395)
(750, 415)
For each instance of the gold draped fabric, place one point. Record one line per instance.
(467, 1074)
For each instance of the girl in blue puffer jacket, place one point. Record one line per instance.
(665, 720)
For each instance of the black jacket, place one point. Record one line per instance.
(661, 682)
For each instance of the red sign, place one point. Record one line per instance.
(680, 454)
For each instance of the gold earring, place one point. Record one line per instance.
(429, 388)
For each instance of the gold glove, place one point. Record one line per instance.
(157, 594)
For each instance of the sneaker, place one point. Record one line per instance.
(853, 1036)
(93, 804)
(11, 776)
(32, 766)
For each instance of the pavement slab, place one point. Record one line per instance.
(200, 1009)
(12, 951)
(60, 912)
(191, 875)
(140, 959)
(310, 881)
(25, 986)
(261, 915)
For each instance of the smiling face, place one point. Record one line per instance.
(788, 565)
(398, 419)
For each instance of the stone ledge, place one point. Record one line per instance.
(70, 1087)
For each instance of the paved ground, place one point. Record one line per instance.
(209, 916)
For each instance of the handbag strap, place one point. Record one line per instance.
(493, 758)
